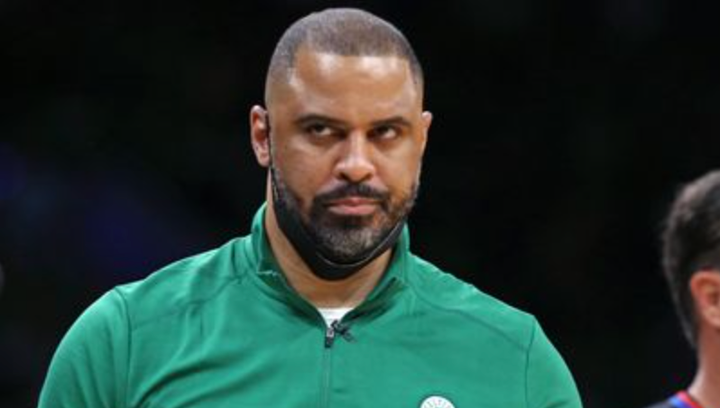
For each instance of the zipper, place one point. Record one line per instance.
(329, 340)
(335, 329)
(327, 371)
(339, 328)
(342, 329)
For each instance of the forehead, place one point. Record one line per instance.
(344, 85)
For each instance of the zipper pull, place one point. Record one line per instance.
(335, 328)
(343, 330)
(330, 335)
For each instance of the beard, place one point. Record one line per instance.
(346, 238)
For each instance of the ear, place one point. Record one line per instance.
(426, 122)
(705, 290)
(260, 134)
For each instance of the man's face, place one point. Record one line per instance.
(348, 135)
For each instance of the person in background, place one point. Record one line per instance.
(691, 263)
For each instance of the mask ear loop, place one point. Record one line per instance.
(280, 210)
(270, 152)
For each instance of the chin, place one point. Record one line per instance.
(354, 222)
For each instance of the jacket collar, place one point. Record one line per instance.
(265, 268)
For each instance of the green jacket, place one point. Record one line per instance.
(224, 330)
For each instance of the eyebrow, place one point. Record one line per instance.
(394, 120)
(310, 118)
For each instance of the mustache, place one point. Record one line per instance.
(354, 190)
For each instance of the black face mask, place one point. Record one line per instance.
(322, 264)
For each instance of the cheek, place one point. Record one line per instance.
(399, 172)
(304, 172)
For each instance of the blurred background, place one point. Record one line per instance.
(562, 131)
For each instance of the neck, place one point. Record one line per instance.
(348, 292)
(706, 385)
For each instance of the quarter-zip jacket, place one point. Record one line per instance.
(223, 329)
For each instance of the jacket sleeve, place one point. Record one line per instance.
(89, 368)
(549, 383)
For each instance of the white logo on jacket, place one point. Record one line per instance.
(436, 401)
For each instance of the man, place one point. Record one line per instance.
(322, 305)
(691, 262)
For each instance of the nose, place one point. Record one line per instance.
(355, 164)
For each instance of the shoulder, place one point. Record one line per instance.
(189, 281)
(514, 337)
(448, 294)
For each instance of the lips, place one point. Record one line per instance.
(355, 206)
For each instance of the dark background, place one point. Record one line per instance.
(561, 132)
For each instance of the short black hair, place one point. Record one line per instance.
(342, 31)
(691, 242)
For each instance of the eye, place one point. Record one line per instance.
(319, 130)
(385, 132)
